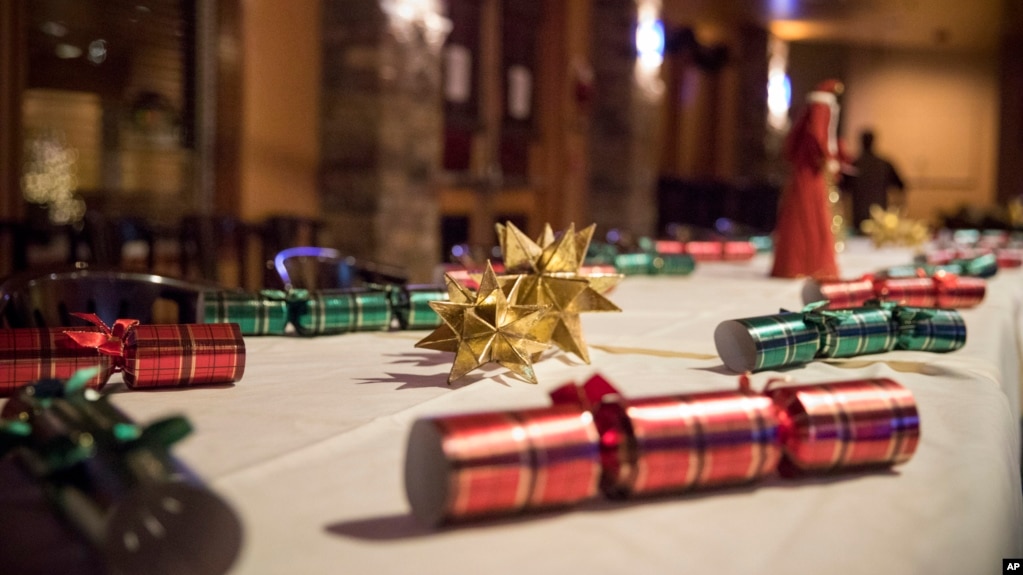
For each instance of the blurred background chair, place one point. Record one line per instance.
(48, 299)
(307, 267)
(209, 244)
(277, 233)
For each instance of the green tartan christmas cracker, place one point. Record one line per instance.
(325, 312)
(645, 263)
(929, 329)
(792, 339)
(852, 332)
(766, 342)
(411, 304)
(263, 313)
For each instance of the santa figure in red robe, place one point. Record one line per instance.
(804, 245)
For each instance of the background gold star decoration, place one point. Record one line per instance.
(887, 227)
(548, 275)
(488, 326)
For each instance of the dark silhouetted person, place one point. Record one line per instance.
(872, 178)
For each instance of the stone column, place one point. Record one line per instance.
(381, 132)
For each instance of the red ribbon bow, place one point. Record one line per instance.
(108, 341)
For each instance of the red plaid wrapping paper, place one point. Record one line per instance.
(840, 294)
(916, 292)
(944, 290)
(183, 355)
(739, 251)
(1009, 258)
(852, 424)
(705, 251)
(959, 292)
(469, 466)
(677, 443)
(28, 355)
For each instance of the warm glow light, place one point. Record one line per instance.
(779, 87)
(650, 43)
(407, 17)
(49, 177)
(67, 51)
(791, 30)
(649, 46)
(779, 98)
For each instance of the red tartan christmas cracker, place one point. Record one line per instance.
(463, 467)
(30, 354)
(852, 424)
(148, 356)
(942, 289)
(470, 466)
(709, 250)
(676, 443)
(183, 355)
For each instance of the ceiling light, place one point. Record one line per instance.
(67, 51)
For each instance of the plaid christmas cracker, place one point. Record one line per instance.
(31, 354)
(461, 467)
(678, 443)
(852, 332)
(782, 340)
(929, 329)
(848, 424)
(147, 355)
(183, 355)
(265, 313)
(654, 264)
(942, 289)
(411, 304)
(791, 339)
(506, 462)
(180, 355)
(326, 312)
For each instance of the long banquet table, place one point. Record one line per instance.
(309, 448)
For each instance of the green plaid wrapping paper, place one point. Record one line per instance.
(654, 264)
(852, 332)
(782, 340)
(673, 264)
(411, 305)
(983, 266)
(325, 312)
(265, 313)
(929, 329)
(633, 264)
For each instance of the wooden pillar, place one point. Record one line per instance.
(564, 83)
(13, 46)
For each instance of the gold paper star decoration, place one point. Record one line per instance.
(486, 326)
(887, 227)
(549, 276)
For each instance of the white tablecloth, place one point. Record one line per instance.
(309, 448)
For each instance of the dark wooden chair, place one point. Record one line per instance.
(47, 299)
(277, 233)
(307, 267)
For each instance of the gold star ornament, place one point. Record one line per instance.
(548, 276)
(887, 227)
(487, 326)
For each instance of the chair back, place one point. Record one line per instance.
(312, 268)
(48, 300)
